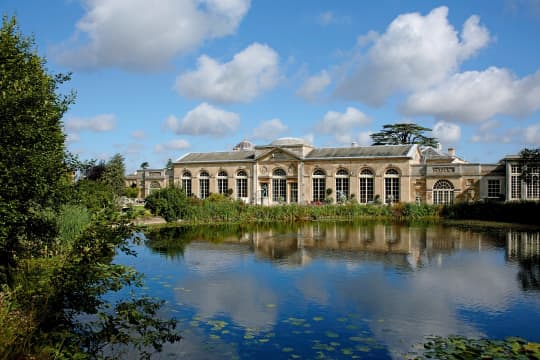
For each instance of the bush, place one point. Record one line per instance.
(170, 203)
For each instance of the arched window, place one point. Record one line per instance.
(342, 185)
(204, 185)
(391, 186)
(154, 185)
(186, 182)
(279, 185)
(241, 184)
(443, 192)
(366, 186)
(222, 182)
(319, 185)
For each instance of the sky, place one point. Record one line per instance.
(158, 79)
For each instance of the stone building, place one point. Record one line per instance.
(289, 170)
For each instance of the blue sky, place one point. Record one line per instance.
(157, 79)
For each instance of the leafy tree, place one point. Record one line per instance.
(144, 166)
(404, 133)
(31, 144)
(171, 203)
(114, 174)
(529, 160)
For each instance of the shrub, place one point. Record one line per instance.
(170, 203)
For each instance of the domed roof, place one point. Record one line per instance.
(243, 145)
(288, 141)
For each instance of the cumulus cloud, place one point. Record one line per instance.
(364, 138)
(446, 132)
(532, 135)
(145, 35)
(250, 72)
(340, 125)
(475, 96)
(314, 85)
(176, 144)
(414, 53)
(98, 123)
(204, 120)
(269, 129)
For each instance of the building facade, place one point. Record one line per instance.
(289, 170)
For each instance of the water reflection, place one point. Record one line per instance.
(394, 283)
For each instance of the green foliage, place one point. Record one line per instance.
(114, 174)
(520, 212)
(170, 203)
(131, 192)
(31, 141)
(72, 220)
(458, 347)
(529, 159)
(405, 133)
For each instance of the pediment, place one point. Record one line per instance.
(278, 154)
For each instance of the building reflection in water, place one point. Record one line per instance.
(524, 248)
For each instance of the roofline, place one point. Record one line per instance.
(358, 157)
(212, 161)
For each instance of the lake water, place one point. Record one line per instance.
(339, 291)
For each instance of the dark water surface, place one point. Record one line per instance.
(339, 291)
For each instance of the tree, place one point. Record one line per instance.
(529, 160)
(114, 174)
(31, 143)
(144, 166)
(405, 133)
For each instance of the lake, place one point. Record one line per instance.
(338, 290)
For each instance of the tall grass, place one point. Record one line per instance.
(72, 220)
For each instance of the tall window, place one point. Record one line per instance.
(154, 185)
(494, 188)
(342, 185)
(241, 184)
(186, 182)
(294, 192)
(366, 186)
(222, 182)
(443, 192)
(533, 185)
(204, 185)
(391, 186)
(515, 181)
(319, 185)
(279, 186)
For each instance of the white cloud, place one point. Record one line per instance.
(415, 52)
(205, 120)
(364, 138)
(475, 96)
(250, 72)
(138, 134)
(314, 85)
(269, 129)
(532, 135)
(446, 132)
(176, 144)
(143, 35)
(98, 123)
(73, 137)
(340, 125)
(329, 17)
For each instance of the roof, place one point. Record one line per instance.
(362, 152)
(247, 155)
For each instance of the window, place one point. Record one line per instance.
(366, 186)
(241, 184)
(279, 186)
(154, 185)
(515, 182)
(204, 185)
(319, 185)
(186, 182)
(342, 185)
(533, 184)
(294, 192)
(494, 188)
(391, 186)
(222, 182)
(443, 192)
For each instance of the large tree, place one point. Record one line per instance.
(404, 133)
(114, 175)
(31, 142)
(529, 160)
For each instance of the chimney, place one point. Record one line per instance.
(452, 152)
